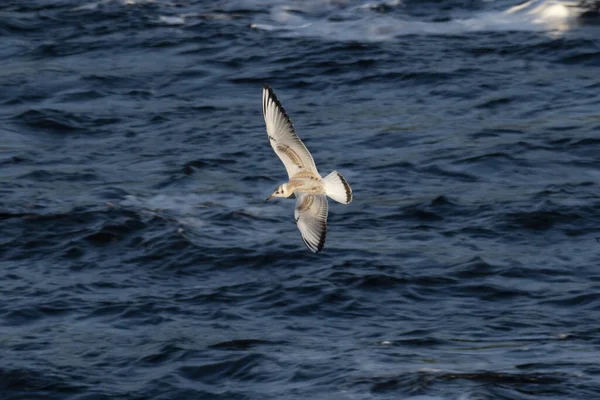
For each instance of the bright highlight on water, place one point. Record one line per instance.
(305, 183)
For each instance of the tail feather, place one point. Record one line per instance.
(337, 188)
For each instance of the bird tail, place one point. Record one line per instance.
(337, 188)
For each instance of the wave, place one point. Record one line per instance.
(384, 20)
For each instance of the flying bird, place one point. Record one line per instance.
(305, 183)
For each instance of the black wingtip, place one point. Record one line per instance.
(273, 97)
(271, 93)
(322, 241)
(313, 250)
(320, 245)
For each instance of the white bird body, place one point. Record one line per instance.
(305, 182)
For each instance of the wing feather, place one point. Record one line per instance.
(311, 217)
(287, 145)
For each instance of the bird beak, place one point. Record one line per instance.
(269, 198)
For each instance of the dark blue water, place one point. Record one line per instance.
(139, 260)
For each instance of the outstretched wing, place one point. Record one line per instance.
(311, 217)
(283, 138)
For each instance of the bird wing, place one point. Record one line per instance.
(283, 138)
(311, 217)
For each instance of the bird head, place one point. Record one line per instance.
(281, 191)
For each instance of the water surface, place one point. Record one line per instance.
(138, 258)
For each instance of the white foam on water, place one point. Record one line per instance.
(196, 215)
(360, 23)
(353, 20)
(172, 20)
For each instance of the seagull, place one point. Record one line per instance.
(305, 183)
